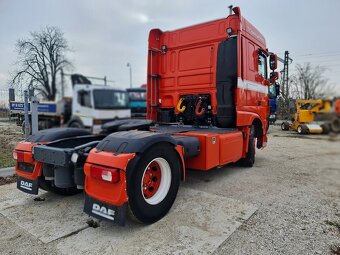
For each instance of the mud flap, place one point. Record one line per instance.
(105, 211)
(28, 186)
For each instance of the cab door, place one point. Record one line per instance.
(82, 105)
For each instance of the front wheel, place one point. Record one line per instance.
(152, 184)
(76, 124)
(302, 129)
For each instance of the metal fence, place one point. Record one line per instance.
(10, 133)
(3, 103)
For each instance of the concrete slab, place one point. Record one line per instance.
(197, 224)
(4, 172)
(47, 220)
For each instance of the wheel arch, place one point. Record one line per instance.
(177, 148)
(75, 119)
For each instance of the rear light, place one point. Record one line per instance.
(18, 155)
(105, 173)
(26, 167)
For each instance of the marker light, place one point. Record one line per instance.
(74, 157)
(15, 155)
(18, 155)
(229, 30)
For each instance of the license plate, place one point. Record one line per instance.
(27, 186)
(105, 211)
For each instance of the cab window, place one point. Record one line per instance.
(262, 66)
(84, 98)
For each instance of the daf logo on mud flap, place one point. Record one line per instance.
(26, 185)
(103, 211)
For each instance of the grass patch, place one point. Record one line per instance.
(6, 160)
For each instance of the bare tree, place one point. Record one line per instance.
(40, 58)
(309, 82)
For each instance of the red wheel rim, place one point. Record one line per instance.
(151, 180)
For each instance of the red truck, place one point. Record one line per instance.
(207, 106)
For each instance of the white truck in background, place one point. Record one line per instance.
(89, 107)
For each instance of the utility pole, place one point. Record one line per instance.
(129, 65)
(286, 80)
(285, 83)
(286, 74)
(62, 83)
(27, 124)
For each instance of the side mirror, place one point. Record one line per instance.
(272, 61)
(273, 77)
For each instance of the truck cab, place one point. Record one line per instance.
(137, 98)
(94, 105)
(223, 64)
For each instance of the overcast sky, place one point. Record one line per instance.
(105, 35)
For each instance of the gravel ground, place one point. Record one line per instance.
(295, 184)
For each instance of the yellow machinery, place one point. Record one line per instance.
(311, 116)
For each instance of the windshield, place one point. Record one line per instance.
(110, 99)
(137, 95)
(308, 106)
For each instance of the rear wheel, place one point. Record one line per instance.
(152, 184)
(249, 160)
(24, 130)
(285, 126)
(335, 125)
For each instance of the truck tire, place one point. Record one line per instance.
(285, 126)
(325, 128)
(152, 183)
(249, 160)
(335, 125)
(76, 124)
(302, 129)
(48, 186)
(23, 128)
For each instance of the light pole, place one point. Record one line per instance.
(129, 65)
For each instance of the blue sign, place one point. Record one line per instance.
(17, 106)
(46, 108)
